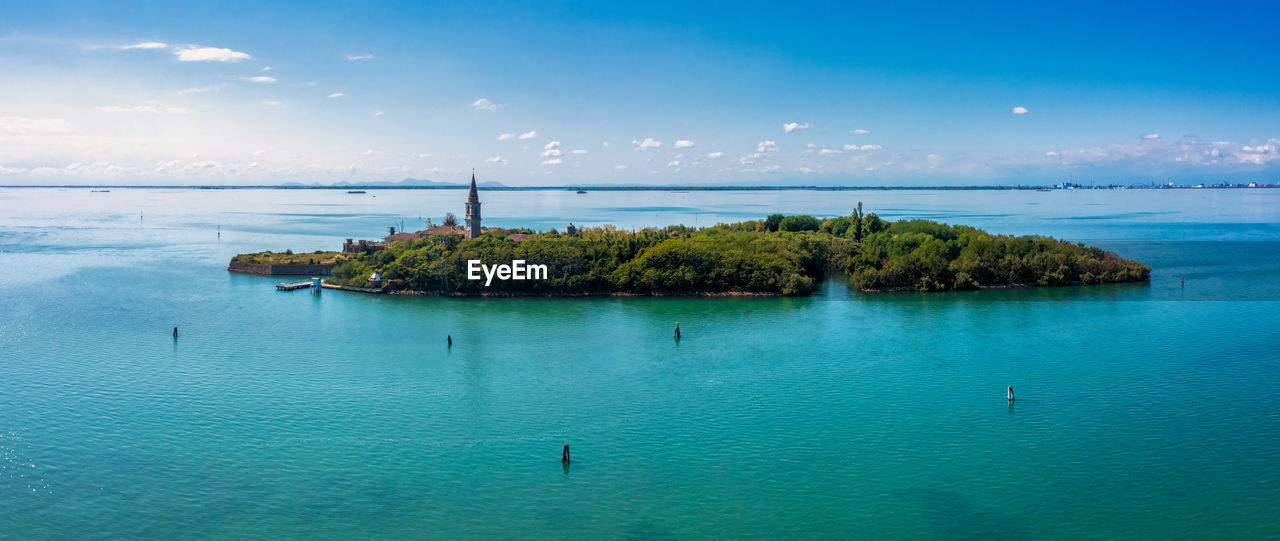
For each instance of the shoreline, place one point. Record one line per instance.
(413, 293)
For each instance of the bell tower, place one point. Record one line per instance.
(473, 210)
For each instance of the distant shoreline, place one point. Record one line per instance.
(607, 188)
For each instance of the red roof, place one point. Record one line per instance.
(402, 236)
(440, 229)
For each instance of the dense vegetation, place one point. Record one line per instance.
(788, 255)
(318, 257)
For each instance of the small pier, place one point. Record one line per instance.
(293, 286)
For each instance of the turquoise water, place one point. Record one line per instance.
(1145, 411)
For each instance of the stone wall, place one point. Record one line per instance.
(309, 270)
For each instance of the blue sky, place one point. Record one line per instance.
(654, 93)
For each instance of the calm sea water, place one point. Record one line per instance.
(1145, 411)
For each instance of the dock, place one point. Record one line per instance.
(293, 286)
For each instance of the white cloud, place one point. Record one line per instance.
(551, 145)
(552, 161)
(619, 167)
(805, 170)
(1260, 154)
(273, 103)
(794, 126)
(828, 152)
(260, 79)
(673, 163)
(17, 124)
(1151, 136)
(359, 57)
(766, 146)
(648, 143)
(1019, 110)
(715, 155)
(335, 95)
(127, 109)
(422, 155)
(771, 169)
(933, 159)
(863, 147)
(483, 104)
(506, 136)
(552, 153)
(200, 89)
(860, 132)
(145, 45)
(496, 159)
(196, 53)
(577, 151)
(528, 135)
(266, 68)
(684, 144)
(378, 112)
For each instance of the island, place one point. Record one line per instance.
(780, 255)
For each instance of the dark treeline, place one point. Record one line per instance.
(786, 255)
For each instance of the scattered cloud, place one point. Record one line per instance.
(863, 147)
(335, 95)
(127, 109)
(673, 163)
(552, 161)
(359, 57)
(860, 132)
(527, 135)
(804, 170)
(766, 146)
(145, 45)
(715, 155)
(483, 104)
(578, 151)
(1019, 110)
(196, 53)
(378, 112)
(1151, 136)
(648, 143)
(506, 137)
(684, 144)
(619, 167)
(496, 159)
(771, 169)
(1260, 154)
(260, 79)
(828, 152)
(552, 150)
(199, 89)
(266, 68)
(794, 126)
(17, 124)
(933, 159)
(273, 103)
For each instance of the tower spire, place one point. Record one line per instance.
(473, 228)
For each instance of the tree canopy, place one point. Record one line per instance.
(785, 255)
